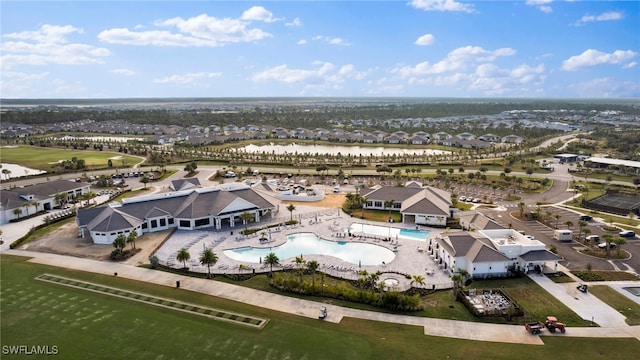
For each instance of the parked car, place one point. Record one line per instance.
(462, 198)
(593, 238)
(603, 245)
(627, 233)
(586, 217)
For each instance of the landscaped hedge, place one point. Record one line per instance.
(389, 299)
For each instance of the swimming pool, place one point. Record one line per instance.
(311, 244)
(388, 231)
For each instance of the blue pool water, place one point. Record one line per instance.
(387, 231)
(310, 244)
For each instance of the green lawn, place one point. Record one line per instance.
(94, 326)
(624, 306)
(43, 158)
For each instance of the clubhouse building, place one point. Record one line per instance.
(199, 208)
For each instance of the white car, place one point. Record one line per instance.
(462, 198)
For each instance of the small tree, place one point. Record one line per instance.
(300, 261)
(313, 266)
(17, 212)
(208, 258)
(120, 242)
(388, 204)
(184, 256)
(417, 279)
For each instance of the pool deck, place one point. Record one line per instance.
(411, 256)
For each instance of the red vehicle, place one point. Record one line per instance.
(552, 324)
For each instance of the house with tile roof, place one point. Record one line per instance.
(200, 208)
(417, 204)
(34, 198)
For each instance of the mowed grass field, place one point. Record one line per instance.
(43, 158)
(87, 325)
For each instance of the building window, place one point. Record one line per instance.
(171, 221)
(185, 223)
(154, 223)
(202, 222)
(378, 204)
(163, 222)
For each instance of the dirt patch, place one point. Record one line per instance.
(329, 201)
(65, 241)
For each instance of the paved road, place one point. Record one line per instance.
(612, 326)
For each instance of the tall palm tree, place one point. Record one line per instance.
(131, 238)
(184, 256)
(557, 217)
(521, 206)
(291, 207)
(272, 260)
(581, 226)
(300, 261)
(388, 205)
(208, 258)
(363, 200)
(246, 217)
(17, 212)
(313, 266)
(26, 205)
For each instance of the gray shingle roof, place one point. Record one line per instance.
(540, 255)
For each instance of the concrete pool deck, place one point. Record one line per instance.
(411, 256)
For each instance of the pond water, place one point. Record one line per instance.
(100, 138)
(16, 171)
(337, 149)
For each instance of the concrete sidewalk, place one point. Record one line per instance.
(434, 327)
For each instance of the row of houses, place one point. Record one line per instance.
(214, 134)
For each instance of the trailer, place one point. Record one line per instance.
(563, 235)
(534, 327)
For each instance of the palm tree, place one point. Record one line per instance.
(313, 266)
(417, 279)
(26, 205)
(300, 261)
(619, 241)
(131, 238)
(389, 204)
(184, 256)
(271, 259)
(607, 238)
(246, 216)
(208, 258)
(120, 242)
(363, 200)
(581, 226)
(569, 224)
(17, 212)
(557, 217)
(521, 206)
(291, 207)
(587, 231)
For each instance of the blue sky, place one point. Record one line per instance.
(418, 48)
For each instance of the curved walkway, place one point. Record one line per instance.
(307, 308)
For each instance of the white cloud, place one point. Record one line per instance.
(607, 88)
(201, 30)
(302, 42)
(542, 5)
(630, 65)
(296, 22)
(331, 41)
(593, 57)
(48, 45)
(424, 40)
(190, 78)
(459, 59)
(607, 16)
(323, 76)
(125, 72)
(20, 76)
(442, 5)
(258, 13)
